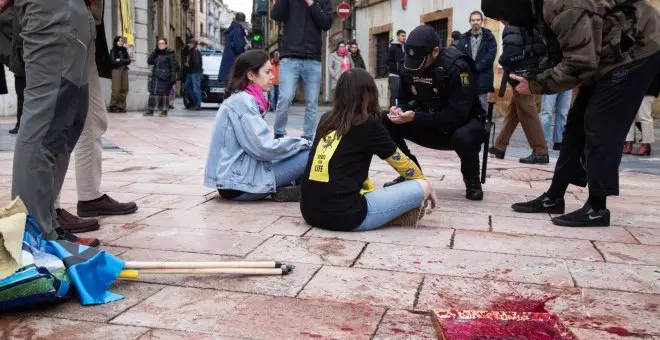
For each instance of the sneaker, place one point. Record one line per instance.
(83, 241)
(542, 204)
(584, 217)
(278, 136)
(14, 130)
(409, 218)
(497, 153)
(75, 224)
(105, 205)
(535, 159)
(396, 181)
(287, 194)
(556, 147)
(473, 190)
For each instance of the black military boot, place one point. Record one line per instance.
(541, 204)
(535, 159)
(473, 189)
(395, 181)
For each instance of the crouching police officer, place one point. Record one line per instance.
(438, 105)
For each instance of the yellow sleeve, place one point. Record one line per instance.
(404, 166)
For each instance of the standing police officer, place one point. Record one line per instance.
(438, 105)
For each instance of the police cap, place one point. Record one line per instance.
(420, 43)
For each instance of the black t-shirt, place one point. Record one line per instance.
(336, 173)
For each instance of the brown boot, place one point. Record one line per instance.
(627, 148)
(75, 224)
(644, 150)
(105, 205)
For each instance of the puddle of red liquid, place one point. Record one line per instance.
(483, 329)
(618, 331)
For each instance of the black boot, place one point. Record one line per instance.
(536, 159)
(473, 189)
(497, 153)
(542, 204)
(397, 180)
(14, 130)
(584, 217)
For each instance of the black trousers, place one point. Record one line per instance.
(19, 84)
(465, 141)
(597, 125)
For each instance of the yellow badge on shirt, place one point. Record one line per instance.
(465, 79)
(321, 161)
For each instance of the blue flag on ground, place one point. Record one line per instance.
(91, 271)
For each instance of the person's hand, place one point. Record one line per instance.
(394, 111)
(309, 2)
(402, 117)
(523, 84)
(432, 197)
(4, 4)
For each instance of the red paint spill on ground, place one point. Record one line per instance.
(497, 329)
(618, 331)
(518, 304)
(417, 262)
(312, 335)
(507, 271)
(398, 331)
(347, 329)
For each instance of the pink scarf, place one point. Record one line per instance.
(255, 91)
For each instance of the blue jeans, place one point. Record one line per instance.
(561, 102)
(286, 172)
(386, 204)
(274, 96)
(291, 71)
(193, 85)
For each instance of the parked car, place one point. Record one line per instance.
(212, 90)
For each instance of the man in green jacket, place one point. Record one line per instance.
(612, 49)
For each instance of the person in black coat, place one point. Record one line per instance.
(163, 76)
(394, 57)
(234, 46)
(120, 62)
(480, 44)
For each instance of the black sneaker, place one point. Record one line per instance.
(14, 130)
(584, 217)
(542, 204)
(536, 159)
(278, 136)
(497, 153)
(85, 241)
(397, 180)
(473, 189)
(556, 146)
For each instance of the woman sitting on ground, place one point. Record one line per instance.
(245, 162)
(336, 191)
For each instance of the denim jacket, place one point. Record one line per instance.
(242, 148)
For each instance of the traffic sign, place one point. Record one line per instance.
(344, 10)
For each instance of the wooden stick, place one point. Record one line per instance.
(133, 274)
(194, 265)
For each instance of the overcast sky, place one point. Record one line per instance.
(244, 6)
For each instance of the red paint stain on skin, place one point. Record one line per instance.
(618, 331)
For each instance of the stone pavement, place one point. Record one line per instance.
(465, 255)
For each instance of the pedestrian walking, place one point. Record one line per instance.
(340, 62)
(193, 68)
(234, 46)
(358, 61)
(163, 77)
(120, 62)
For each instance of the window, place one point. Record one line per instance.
(201, 29)
(382, 44)
(441, 27)
(201, 7)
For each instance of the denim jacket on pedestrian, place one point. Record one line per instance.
(242, 148)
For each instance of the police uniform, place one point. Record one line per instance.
(444, 97)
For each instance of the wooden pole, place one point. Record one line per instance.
(133, 274)
(194, 265)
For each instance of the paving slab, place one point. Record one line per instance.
(292, 226)
(236, 314)
(110, 232)
(648, 236)
(49, 328)
(163, 334)
(136, 217)
(614, 276)
(204, 219)
(406, 235)
(363, 286)
(286, 285)
(455, 220)
(314, 250)
(170, 201)
(526, 245)
(465, 264)
(630, 253)
(405, 325)
(203, 241)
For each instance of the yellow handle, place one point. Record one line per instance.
(130, 274)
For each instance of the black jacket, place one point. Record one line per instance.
(484, 59)
(654, 89)
(395, 55)
(194, 60)
(163, 71)
(303, 26)
(358, 61)
(120, 58)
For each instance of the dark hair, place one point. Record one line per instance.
(116, 39)
(355, 99)
(251, 60)
(163, 39)
(400, 32)
(339, 43)
(456, 35)
(477, 12)
(354, 42)
(240, 17)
